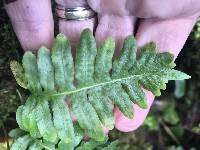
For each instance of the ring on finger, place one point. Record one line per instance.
(74, 13)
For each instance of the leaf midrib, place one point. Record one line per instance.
(96, 85)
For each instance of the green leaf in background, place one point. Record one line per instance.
(169, 114)
(174, 148)
(151, 122)
(179, 88)
(21, 143)
(93, 82)
(177, 130)
(196, 129)
(4, 146)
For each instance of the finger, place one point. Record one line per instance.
(32, 22)
(163, 9)
(73, 29)
(115, 26)
(125, 124)
(169, 35)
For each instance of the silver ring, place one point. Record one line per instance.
(75, 13)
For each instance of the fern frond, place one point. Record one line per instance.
(93, 82)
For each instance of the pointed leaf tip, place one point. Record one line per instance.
(110, 42)
(143, 103)
(43, 49)
(61, 37)
(184, 76)
(169, 57)
(87, 30)
(176, 75)
(151, 47)
(130, 38)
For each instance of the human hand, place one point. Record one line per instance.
(165, 22)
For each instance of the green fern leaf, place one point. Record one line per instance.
(28, 117)
(63, 146)
(62, 121)
(22, 143)
(79, 134)
(19, 117)
(31, 72)
(35, 146)
(93, 81)
(44, 121)
(46, 145)
(18, 73)
(15, 133)
(45, 69)
(63, 63)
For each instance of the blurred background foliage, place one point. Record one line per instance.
(172, 124)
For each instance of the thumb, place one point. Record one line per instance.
(32, 22)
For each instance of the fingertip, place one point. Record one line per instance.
(125, 124)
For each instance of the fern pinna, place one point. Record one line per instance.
(93, 82)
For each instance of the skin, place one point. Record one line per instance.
(166, 22)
